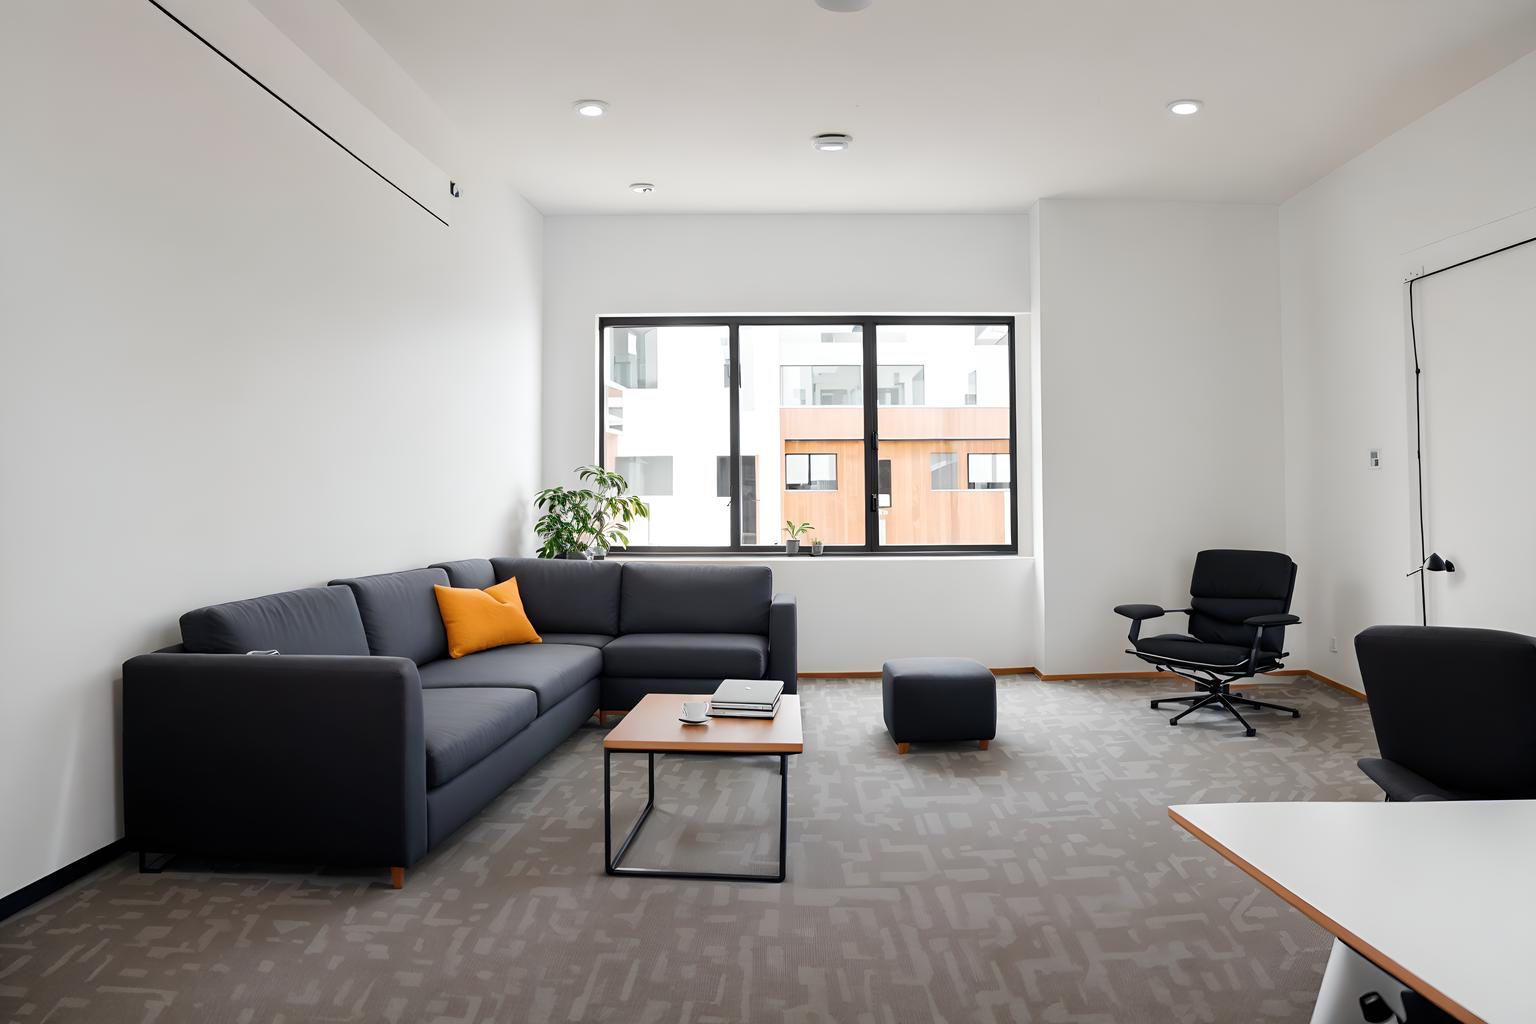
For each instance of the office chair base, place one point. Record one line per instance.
(1222, 698)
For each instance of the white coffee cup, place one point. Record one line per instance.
(695, 710)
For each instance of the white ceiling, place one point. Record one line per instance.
(954, 105)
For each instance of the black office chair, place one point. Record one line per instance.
(1240, 603)
(1433, 748)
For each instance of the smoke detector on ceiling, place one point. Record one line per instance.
(843, 6)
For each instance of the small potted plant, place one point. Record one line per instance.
(564, 525)
(612, 509)
(585, 523)
(795, 531)
(815, 547)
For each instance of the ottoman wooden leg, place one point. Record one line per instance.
(984, 744)
(902, 748)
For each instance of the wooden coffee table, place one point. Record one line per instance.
(652, 728)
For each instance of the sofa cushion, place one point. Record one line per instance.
(400, 616)
(317, 620)
(687, 655)
(468, 572)
(581, 639)
(566, 595)
(552, 671)
(658, 597)
(463, 726)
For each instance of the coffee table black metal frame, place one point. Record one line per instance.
(612, 859)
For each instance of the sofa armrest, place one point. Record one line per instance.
(783, 640)
(290, 758)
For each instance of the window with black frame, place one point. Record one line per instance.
(884, 433)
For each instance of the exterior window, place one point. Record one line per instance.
(822, 385)
(748, 491)
(649, 476)
(839, 335)
(944, 471)
(632, 358)
(886, 433)
(988, 471)
(810, 472)
(900, 385)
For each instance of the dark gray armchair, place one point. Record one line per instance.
(1478, 745)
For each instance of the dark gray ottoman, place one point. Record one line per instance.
(936, 700)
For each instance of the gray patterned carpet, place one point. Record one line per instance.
(1039, 881)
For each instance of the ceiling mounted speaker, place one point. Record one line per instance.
(843, 6)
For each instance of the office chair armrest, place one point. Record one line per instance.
(1262, 621)
(1139, 612)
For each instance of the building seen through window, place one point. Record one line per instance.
(939, 396)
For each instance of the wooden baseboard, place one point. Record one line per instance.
(1074, 677)
(1319, 677)
(1023, 670)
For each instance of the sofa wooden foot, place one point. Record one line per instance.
(397, 878)
(984, 744)
(902, 748)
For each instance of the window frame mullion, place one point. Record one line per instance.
(733, 357)
(871, 438)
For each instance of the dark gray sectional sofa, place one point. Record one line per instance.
(362, 743)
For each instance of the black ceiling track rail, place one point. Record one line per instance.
(302, 116)
(1418, 403)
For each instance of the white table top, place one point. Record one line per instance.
(1441, 895)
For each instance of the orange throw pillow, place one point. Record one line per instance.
(477, 620)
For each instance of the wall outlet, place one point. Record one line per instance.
(1333, 644)
(1373, 458)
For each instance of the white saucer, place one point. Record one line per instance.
(693, 721)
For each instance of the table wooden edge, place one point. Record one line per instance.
(704, 746)
(1344, 935)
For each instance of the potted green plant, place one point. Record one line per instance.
(816, 547)
(586, 522)
(611, 508)
(795, 531)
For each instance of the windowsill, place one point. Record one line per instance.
(882, 556)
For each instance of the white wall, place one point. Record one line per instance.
(854, 613)
(234, 362)
(1459, 181)
(1157, 326)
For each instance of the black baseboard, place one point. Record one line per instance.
(46, 886)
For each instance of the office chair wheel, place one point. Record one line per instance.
(1252, 731)
(1295, 714)
(1173, 721)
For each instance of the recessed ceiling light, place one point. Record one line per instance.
(590, 108)
(832, 142)
(642, 187)
(843, 6)
(1184, 107)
